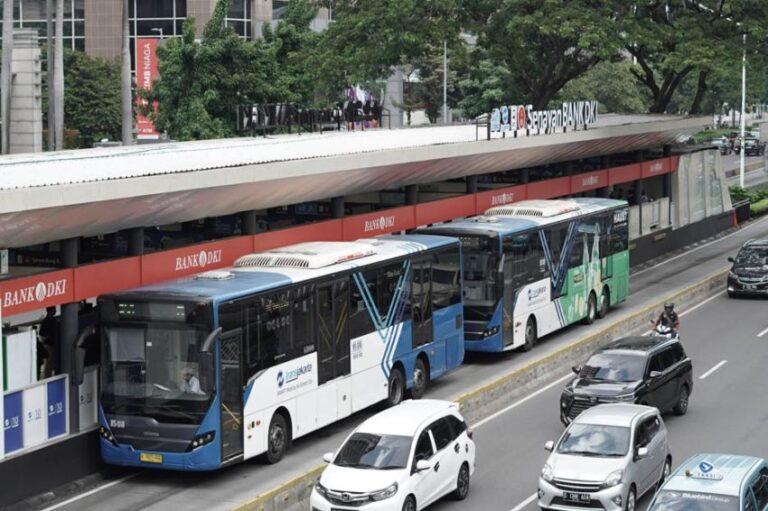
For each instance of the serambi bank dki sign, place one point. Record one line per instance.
(523, 117)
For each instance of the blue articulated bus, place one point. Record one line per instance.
(201, 372)
(536, 266)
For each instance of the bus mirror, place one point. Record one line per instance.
(78, 355)
(206, 370)
(210, 340)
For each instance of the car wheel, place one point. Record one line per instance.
(631, 499)
(277, 439)
(395, 387)
(531, 334)
(682, 401)
(605, 302)
(410, 503)
(591, 309)
(665, 473)
(462, 483)
(420, 379)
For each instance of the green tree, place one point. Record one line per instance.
(92, 97)
(612, 84)
(201, 84)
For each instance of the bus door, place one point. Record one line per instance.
(421, 302)
(333, 344)
(508, 301)
(230, 350)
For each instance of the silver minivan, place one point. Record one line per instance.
(608, 457)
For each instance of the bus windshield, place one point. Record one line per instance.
(480, 296)
(155, 369)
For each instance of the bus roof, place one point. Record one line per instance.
(229, 283)
(731, 470)
(501, 224)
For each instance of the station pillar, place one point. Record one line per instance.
(337, 207)
(412, 194)
(69, 333)
(471, 184)
(248, 222)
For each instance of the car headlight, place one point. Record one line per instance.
(319, 488)
(546, 473)
(625, 398)
(613, 478)
(386, 493)
(732, 275)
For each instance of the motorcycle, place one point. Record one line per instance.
(664, 331)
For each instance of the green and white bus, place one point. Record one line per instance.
(536, 266)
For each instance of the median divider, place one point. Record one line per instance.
(481, 402)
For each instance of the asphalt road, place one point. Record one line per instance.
(157, 490)
(726, 413)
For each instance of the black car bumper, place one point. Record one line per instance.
(738, 287)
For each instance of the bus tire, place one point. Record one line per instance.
(531, 334)
(277, 439)
(420, 379)
(591, 309)
(395, 387)
(605, 303)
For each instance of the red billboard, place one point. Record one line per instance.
(146, 73)
(37, 291)
(498, 197)
(385, 221)
(589, 181)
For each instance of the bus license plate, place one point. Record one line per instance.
(150, 457)
(576, 497)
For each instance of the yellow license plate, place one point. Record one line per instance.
(149, 457)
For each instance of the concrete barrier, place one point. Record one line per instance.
(487, 399)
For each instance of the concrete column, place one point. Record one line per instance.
(525, 176)
(261, 14)
(639, 155)
(605, 162)
(394, 94)
(337, 207)
(103, 28)
(569, 168)
(68, 335)
(26, 121)
(135, 241)
(471, 184)
(249, 222)
(412, 194)
(667, 150)
(201, 10)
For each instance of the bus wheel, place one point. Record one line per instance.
(277, 439)
(395, 387)
(530, 334)
(605, 303)
(591, 309)
(420, 379)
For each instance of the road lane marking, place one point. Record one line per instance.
(90, 492)
(518, 403)
(525, 502)
(759, 222)
(763, 333)
(715, 368)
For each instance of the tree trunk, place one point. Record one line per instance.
(5, 75)
(49, 68)
(701, 89)
(58, 78)
(126, 103)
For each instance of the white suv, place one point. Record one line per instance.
(608, 457)
(406, 457)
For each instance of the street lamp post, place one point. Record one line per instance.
(743, 107)
(160, 30)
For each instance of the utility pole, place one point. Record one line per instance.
(126, 104)
(49, 68)
(743, 107)
(59, 75)
(6, 77)
(445, 82)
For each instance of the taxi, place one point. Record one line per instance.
(715, 482)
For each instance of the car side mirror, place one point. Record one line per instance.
(549, 445)
(423, 465)
(642, 452)
(576, 369)
(328, 457)
(654, 374)
(731, 260)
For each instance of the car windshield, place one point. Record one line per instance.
(614, 367)
(752, 258)
(669, 500)
(366, 450)
(595, 440)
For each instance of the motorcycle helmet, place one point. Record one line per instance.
(669, 306)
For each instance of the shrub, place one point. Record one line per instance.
(758, 208)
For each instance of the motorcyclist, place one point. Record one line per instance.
(669, 318)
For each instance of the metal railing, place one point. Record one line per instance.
(263, 118)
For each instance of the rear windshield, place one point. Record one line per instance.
(670, 500)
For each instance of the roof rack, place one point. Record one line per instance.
(537, 208)
(312, 255)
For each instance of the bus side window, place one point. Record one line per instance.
(388, 280)
(303, 320)
(446, 278)
(275, 333)
(360, 322)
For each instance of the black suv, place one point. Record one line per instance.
(652, 371)
(749, 274)
(753, 147)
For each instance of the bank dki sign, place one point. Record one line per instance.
(523, 117)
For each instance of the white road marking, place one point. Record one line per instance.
(525, 502)
(715, 368)
(763, 333)
(91, 492)
(518, 403)
(698, 248)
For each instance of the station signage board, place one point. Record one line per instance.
(570, 115)
(146, 73)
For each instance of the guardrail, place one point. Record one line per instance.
(742, 211)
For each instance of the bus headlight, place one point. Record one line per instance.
(201, 440)
(492, 331)
(107, 435)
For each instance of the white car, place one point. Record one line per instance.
(404, 458)
(607, 458)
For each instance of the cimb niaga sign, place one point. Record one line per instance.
(523, 117)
